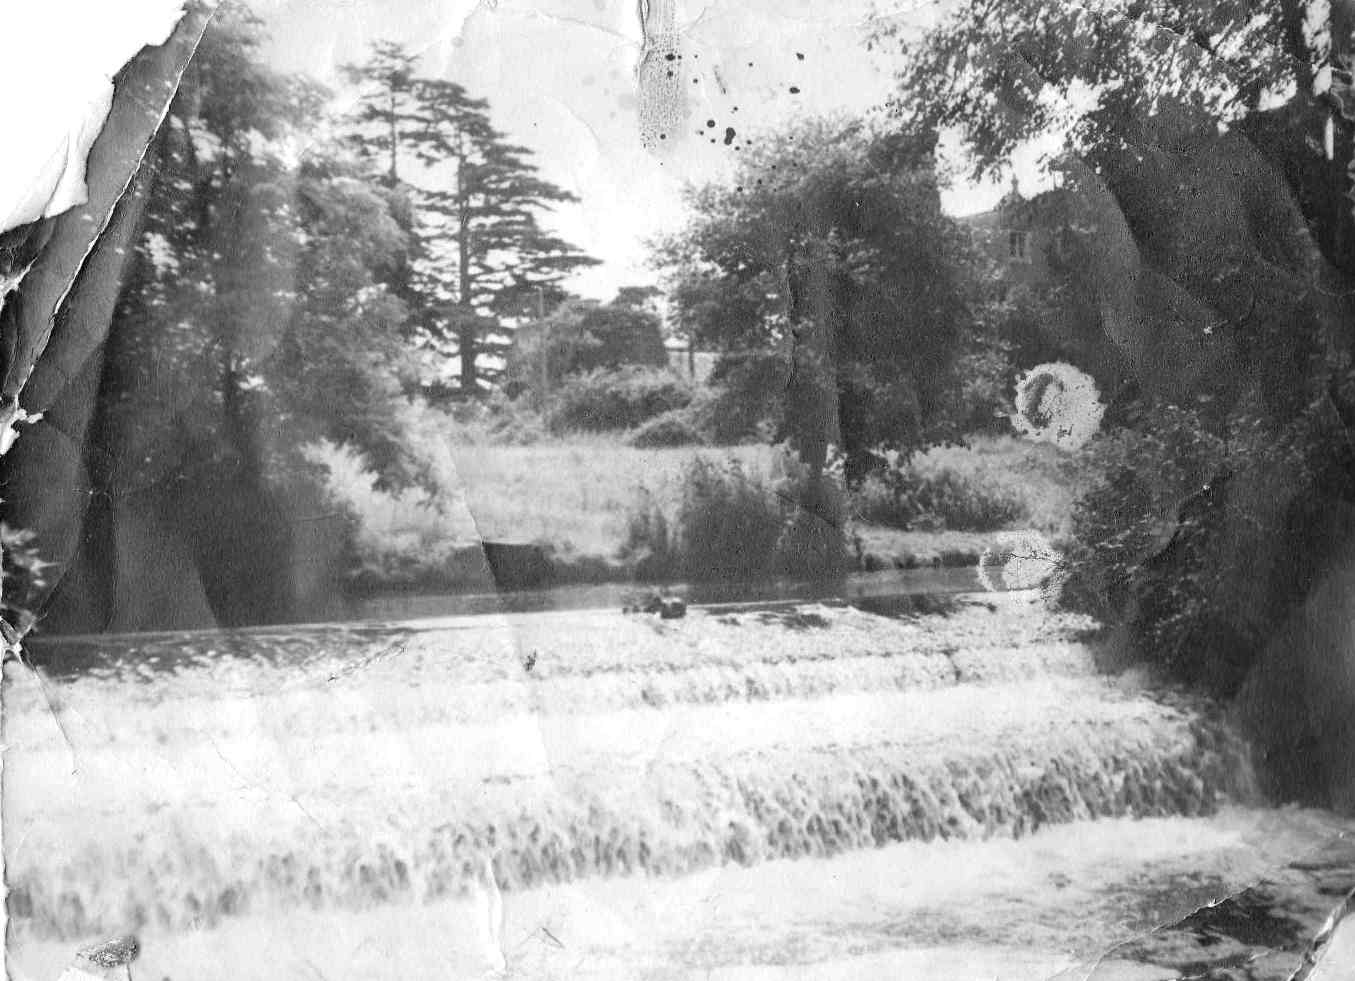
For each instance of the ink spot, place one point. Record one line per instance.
(800, 56)
(710, 124)
(670, 57)
(729, 135)
(794, 90)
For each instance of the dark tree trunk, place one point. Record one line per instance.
(466, 345)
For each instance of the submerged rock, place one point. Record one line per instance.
(667, 607)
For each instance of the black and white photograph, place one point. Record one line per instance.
(678, 490)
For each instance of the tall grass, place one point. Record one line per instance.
(575, 492)
(909, 499)
(675, 511)
(733, 522)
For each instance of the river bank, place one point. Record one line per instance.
(567, 504)
(509, 566)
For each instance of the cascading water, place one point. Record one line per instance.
(176, 784)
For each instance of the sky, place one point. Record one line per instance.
(561, 79)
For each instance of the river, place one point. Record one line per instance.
(793, 790)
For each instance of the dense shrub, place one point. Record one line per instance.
(622, 398)
(674, 428)
(745, 397)
(733, 525)
(582, 336)
(728, 524)
(512, 423)
(1156, 544)
(904, 497)
(813, 541)
(497, 420)
(985, 384)
(1139, 476)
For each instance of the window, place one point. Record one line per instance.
(1064, 244)
(1017, 246)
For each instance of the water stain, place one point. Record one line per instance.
(661, 93)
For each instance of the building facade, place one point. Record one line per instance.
(1029, 242)
(1018, 236)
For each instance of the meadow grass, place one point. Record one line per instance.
(577, 493)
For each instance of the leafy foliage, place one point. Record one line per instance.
(673, 428)
(745, 397)
(793, 527)
(1175, 538)
(622, 398)
(903, 497)
(831, 248)
(1141, 474)
(254, 288)
(1207, 166)
(582, 336)
(1010, 70)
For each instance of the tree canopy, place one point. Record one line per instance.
(830, 246)
(484, 263)
(254, 284)
(1206, 150)
(585, 335)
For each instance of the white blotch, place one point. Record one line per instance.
(1018, 560)
(1057, 403)
(161, 254)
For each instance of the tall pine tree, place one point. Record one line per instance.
(387, 112)
(486, 262)
(383, 125)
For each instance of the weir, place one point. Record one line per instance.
(198, 789)
(303, 773)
